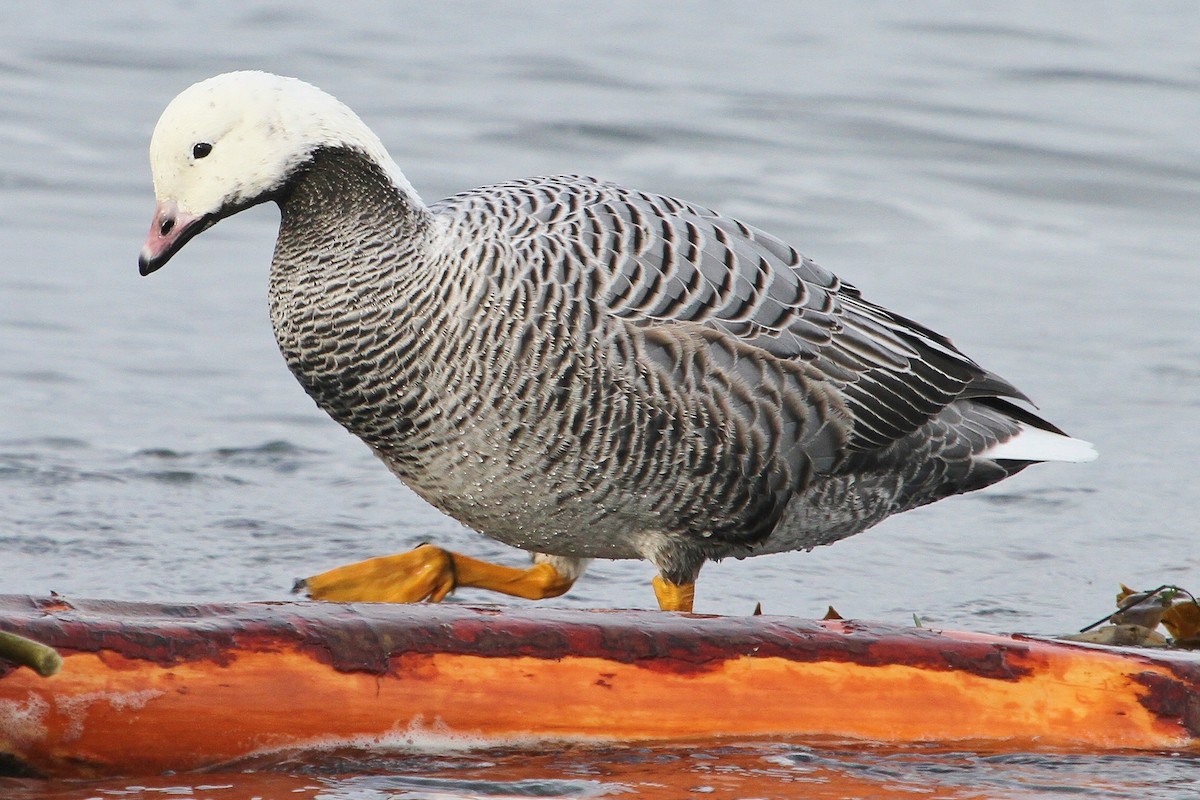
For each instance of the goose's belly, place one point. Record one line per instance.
(498, 466)
(563, 450)
(520, 495)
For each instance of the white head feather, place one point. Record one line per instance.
(260, 128)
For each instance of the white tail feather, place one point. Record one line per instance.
(1035, 444)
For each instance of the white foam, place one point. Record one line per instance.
(1035, 444)
(75, 707)
(23, 724)
(417, 736)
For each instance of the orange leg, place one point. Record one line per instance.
(431, 573)
(673, 596)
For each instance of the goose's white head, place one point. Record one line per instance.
(233, 141)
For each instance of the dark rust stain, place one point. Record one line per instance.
(1175, 699)
(367, 637)
(995, 663)
(13, 767)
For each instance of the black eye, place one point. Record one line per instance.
(201, 149)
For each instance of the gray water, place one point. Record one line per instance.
(1024, 177)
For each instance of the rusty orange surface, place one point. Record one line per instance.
(148, 687)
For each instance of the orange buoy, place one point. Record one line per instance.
(150, 687)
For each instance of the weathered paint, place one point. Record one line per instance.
(150, 687)
(366, 637)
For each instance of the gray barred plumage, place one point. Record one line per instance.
(582, 370)
(586, 371)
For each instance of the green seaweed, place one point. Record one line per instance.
(43, 660)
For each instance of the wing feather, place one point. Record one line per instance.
(661, 261)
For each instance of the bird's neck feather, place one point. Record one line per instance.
(350, 267)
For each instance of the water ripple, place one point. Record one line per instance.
(1099, 76)
(958, 31)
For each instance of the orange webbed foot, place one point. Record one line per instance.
(431, 573)
(674, 596)
(425, 573)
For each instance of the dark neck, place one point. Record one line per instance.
(339, 197)
(348, 264)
